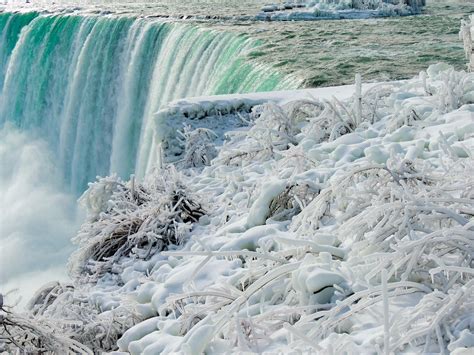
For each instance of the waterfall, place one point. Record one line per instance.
(77, 99)
(89, 85)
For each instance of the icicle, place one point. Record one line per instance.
(160, 156)
(442, 347)
(358, 99)
(132, 186)
(295, 332)
(386, 315)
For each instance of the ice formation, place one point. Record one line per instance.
(338, 9)
(467, 36)
(319, 225)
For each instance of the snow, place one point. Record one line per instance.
(334, 220)
(338, 9)
(224, 113)
(260, 210)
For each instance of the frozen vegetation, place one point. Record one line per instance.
(320, 225)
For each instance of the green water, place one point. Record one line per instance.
(90, 85)
(326, 53)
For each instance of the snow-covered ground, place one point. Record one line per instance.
(323, 221)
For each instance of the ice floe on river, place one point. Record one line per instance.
(338, 9)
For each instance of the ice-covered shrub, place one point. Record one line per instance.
(334, 121)
(137, 221)
(46, 296)
(273, 130)
(291, 201)
(199, 146)
(451, 91)
(81, 318)
(34, 335)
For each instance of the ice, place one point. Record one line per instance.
(138, 332)
(331, 225)
(198, 340)
(339, 9)
(260, 209)
(464, 342)
(310, 279)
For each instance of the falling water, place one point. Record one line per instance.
(77, 99)
(89, 85)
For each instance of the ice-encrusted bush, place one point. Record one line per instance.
(46, 296)
(34, 335)
(83, 320)
(291, 201)
(132, 220)
(265, 137)
(336, 120)
(126, 221)
(199, 146)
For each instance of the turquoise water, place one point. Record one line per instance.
(89, 85)
(326, 53)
